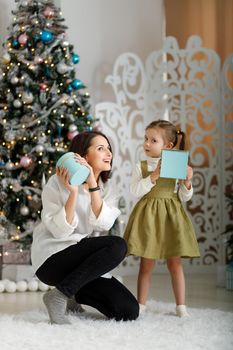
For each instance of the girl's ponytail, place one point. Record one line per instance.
(182, 140)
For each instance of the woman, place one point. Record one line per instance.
(62, 253)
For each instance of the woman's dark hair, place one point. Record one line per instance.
(170, 132)
(80, 144)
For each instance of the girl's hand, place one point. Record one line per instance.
(91, 181)
(156, 173)
(64, 178)
(189, 175)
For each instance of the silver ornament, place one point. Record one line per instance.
(72, 127)
(14, 80)
(62, 68)
(27, 97)
(17, 103)
(39, 148)
(9, 165)
(24, 3)
(64, 43)
(9, 136)
(70, 102)
(24, 210)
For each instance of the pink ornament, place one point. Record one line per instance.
(48, 12)
(25, 161)
(43, 86)
(22, 39)
(38, 59)
(72, 134)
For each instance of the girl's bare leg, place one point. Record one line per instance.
(144, 279)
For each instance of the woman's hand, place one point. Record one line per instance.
(91, 181)
(156, 173)
(64, 178)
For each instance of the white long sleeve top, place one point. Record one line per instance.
(139, 186)
(54, 233)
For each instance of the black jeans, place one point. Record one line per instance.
(76, 271)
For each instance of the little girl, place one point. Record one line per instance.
(158, 227)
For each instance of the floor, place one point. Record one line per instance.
(201, 292)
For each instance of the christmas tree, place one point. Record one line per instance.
(42, 107)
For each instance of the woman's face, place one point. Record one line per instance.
(99, 155)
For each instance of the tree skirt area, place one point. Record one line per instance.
(157, 328)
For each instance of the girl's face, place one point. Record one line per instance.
(99, 155)
(154, 142)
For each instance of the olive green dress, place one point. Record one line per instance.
(159, 227)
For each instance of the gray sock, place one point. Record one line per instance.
(55, 302)
(73, 306)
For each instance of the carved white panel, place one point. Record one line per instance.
(227, 137)
(184, 86)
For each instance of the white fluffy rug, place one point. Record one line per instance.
(157, 329)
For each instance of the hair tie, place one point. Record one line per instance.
(178, 132)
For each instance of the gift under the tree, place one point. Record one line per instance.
(13, 255)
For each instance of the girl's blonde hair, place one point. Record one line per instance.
(171, 134)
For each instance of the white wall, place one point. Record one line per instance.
(100, 31)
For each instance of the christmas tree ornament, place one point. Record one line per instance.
(14, 80)
(22, 39)
(71, 134)
(77, 84)
(15, 43)
(25, 161)
(9, 135)
(37, 37)
(65, 43)
(48, 12)
(6, 58)
(70, 101)
(43, 86)
(24, 3)
(27, 97)
(39, 148)
(90, 117)
(46, 36)
(69, 88)
(62, 68)
(17, 103)
(24, 210)
(75, 58)
(72, 127)
(38, 60)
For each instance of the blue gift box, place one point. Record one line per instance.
(174, 164)
(78, 172)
